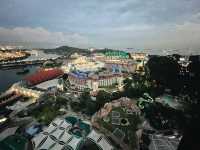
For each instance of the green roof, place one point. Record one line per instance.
(77, 133)
(13, 142)
(85, 127)
(82, 125)
(72, 120)
(117, 53)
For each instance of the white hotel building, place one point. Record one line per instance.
(94, 82)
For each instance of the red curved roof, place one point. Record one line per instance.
(43, 75)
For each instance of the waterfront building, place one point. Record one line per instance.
(43, 75)
(38, 82)
(17, 88)
(11, 55)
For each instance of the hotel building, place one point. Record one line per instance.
(80, 81)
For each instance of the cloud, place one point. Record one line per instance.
(90, 15)
(103, 23)
(143, 36)
(175, 36)
(41, 35)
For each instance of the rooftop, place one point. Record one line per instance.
(68, 133)
(48, 84)
(43, 75)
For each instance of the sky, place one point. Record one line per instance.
(141, 24)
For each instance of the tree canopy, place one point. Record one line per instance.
(164, 70)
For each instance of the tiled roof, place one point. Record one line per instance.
(43, 75)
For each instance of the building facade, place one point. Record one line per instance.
(94, 82)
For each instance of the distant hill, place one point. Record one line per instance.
(66, 50)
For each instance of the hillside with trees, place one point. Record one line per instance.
(66, 50)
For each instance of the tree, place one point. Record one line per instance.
(91, 107)
(192, 127)
(165, 71)
(128, 88)
(163, 117)
(88, 106)
(116, 95)
(61, 101)
(135, 87)
(84, 98)
(127, 82)
(75, 106)
(102, 98)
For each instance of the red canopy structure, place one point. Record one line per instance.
(43, 75)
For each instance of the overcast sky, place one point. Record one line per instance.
(154, 24)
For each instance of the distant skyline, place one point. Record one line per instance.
(142, 24)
